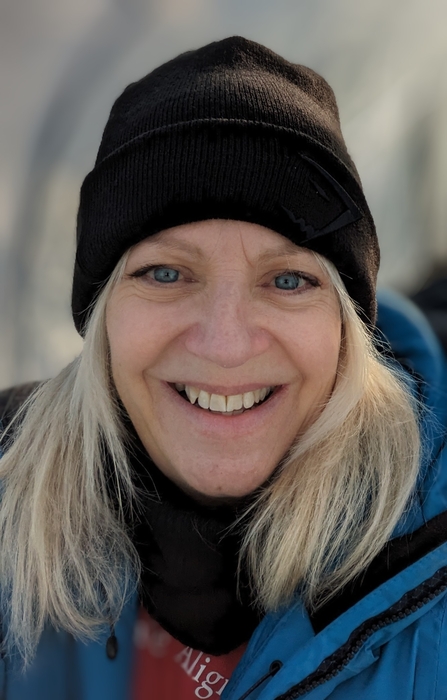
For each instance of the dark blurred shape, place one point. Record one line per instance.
(432, 299)
(12, 398)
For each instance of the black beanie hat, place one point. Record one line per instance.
(230, 131)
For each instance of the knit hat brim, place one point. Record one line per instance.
(230, 131)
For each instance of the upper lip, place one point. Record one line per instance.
(226, 390)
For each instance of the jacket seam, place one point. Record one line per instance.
(438, 662)
(434, 533)
(408, 604)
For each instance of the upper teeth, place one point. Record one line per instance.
(222, 403)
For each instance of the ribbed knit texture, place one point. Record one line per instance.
(189, 556)
(229, 131)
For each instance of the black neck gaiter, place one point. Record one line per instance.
(189, 563)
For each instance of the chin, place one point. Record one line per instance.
(221, 499)
(230, 493)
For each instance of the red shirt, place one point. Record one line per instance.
(167, 670)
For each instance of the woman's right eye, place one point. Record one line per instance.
(159, 273)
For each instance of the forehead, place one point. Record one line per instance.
(205, 239)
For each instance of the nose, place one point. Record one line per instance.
(227, 332)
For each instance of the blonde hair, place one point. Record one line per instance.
(330, 507)
(339, 492)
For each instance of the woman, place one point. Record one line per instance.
(230, 458)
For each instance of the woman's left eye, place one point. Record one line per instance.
(288, 281)
(293, 281)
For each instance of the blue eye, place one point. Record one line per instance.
(165, 274)
(288, 280)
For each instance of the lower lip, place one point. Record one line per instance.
(208, 421)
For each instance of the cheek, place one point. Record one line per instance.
(314, 347)
(126, 336)
(324, 351)
(324, 356)
(132, 342)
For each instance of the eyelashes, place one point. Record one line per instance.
(144, 270)
(286, 281)
(164, 274)
(291, 280)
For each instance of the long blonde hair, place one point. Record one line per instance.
(342, 487)
(66, 558)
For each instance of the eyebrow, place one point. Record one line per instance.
(286, 248)
(175, 244)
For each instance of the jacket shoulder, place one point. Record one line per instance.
(416, 347)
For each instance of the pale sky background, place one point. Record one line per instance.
(63, 63)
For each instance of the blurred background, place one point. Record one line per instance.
(63, 63)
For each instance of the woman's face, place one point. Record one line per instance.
(236, 312)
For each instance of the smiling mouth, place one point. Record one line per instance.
(233, 405)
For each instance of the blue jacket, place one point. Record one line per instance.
(384, 638)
